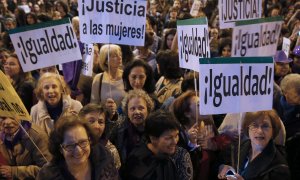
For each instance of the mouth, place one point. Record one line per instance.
(260, 138)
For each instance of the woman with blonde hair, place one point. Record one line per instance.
(54, 100)
(108, 86)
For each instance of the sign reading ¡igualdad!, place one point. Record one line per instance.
(45, 44)
(233, 85)
(256, 37)
(193, 42)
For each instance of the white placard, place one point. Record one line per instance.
(256, 37)
(45, 44)
(193, 42)
(231, 11)
(286, 46)
(114, 21)
(234, 85)
(87, 60)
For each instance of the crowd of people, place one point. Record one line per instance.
(137, 117)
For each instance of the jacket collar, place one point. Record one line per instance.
(260, 164)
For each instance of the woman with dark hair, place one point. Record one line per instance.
(62, 7)
(259, 157)
(168, 38)
(31, 18)
(22, 82)
(76, 154)
(225, 47)
(138, 75)
(159, 158)
(170, 81)
(96, 116)
(20, 17)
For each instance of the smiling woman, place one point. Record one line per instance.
(54, 101)
(76, 154)
(259, 157)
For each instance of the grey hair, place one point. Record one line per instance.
(291, 81)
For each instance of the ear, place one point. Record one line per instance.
(153, 139)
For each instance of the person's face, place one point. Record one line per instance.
(281, 69)
(170, 38)
(30, 20)
(173, 14)
(76, 154)
(56, 15)
(260, 133)
(10, 25)
(137, 77)
(59, 8)
(194, 109)
(97, 121)
(275, 12)
(296, 61)
(137, 111)
(216, 22)
(96, 56)
(166, 143)
(214, 33)
(51, 69)
(9, 126)
(292, 97)
(36, 8)
(115, 60)
(176, 4)
(12, 67)
(52, 91)
(226, 51)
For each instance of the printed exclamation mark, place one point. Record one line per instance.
(270, 78)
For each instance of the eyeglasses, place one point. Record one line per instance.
(70, 147)
(255, 127)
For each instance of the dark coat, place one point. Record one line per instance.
(123, 137)
(142, 164)
(268, 165)
(102, 164)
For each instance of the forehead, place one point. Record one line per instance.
(261, 120)
(136, 69)
(12, 59)
(50, 80)
(136, 101)
(170, 132)
(75, 133)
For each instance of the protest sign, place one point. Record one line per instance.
(114, 21)
(193, 42)
(45, 44)
(233, 85)
(286, 46)
(256, 37)
(87, 60)
(10, 103)
(26, 8)
(231, 11)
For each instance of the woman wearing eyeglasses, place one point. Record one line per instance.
(259, 157)
(74, 157)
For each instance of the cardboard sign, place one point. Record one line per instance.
(10, 103)
(87, 60)
(256, 37)
(114, 21)
(45, 44)
(231, 11)
(193, 42)
(286, 44)
(234, 85)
